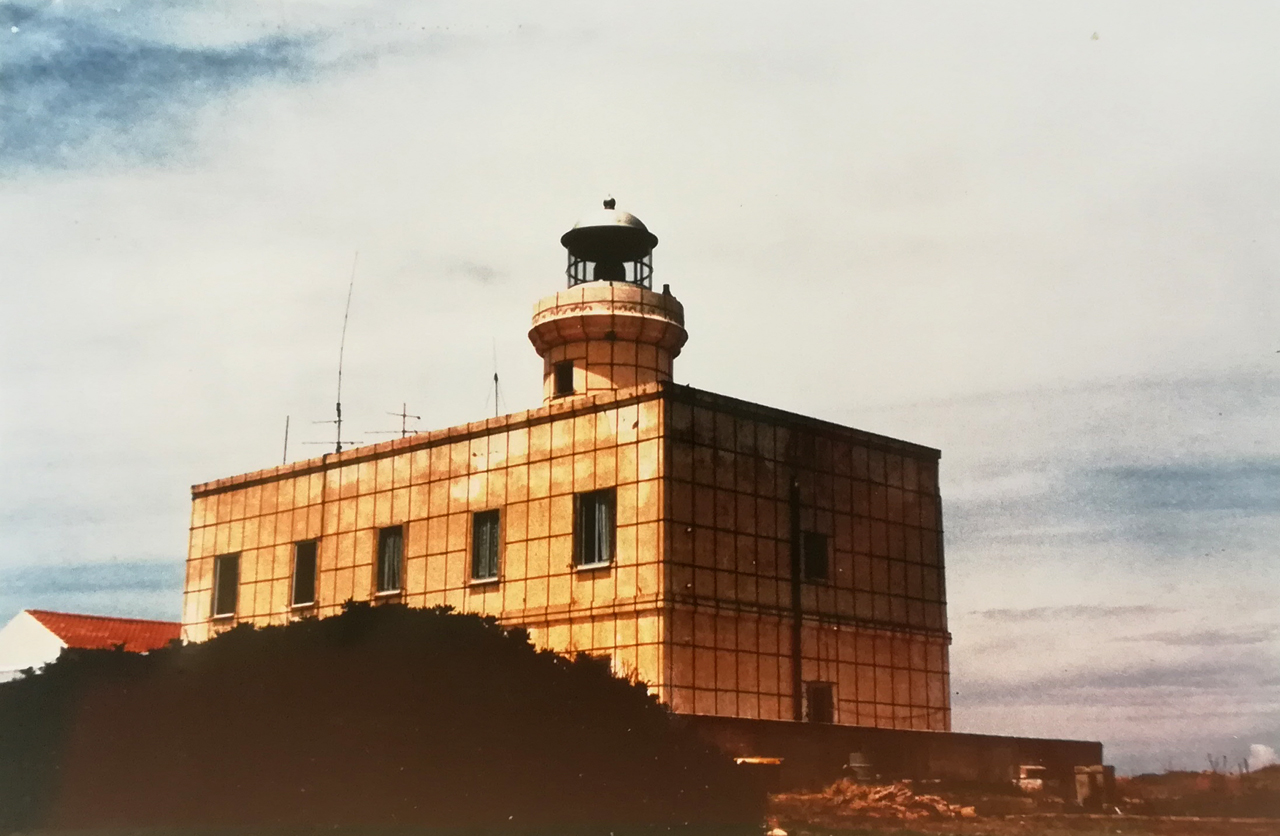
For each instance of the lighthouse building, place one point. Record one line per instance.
(741, 560)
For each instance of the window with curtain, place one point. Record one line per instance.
(484, 545)
(226, 584)
(593, 528)
(390, 558)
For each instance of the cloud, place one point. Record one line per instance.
(1218, 504)
(1076, 611)
(1260, 756)
(1212, 638)
(483, 273)
(140, 588)
(1138, 684)
(1250, 486)
(89, 83)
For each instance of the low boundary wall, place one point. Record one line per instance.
(815, 754)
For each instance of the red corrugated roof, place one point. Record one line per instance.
(104, 631)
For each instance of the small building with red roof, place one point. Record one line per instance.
(33, 638)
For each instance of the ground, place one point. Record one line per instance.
(1173, 804)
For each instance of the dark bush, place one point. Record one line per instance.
(383, 716)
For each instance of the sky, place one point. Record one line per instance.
(1043, 238)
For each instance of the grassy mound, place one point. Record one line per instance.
(382, 716)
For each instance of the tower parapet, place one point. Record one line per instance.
(608, 330)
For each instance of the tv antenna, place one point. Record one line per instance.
(496, 408)
(404, 417)
(342, 347)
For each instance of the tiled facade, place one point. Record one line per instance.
(744, 484)
(529, 465)
(697, 600)
(743, 561)
(616, 336)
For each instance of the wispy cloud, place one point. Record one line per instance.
(143, 588)
(1213, 638)
(1179, 509)
(477, 271)
(1136, 684)
(1251, 486)
(1078, 611)
(90, 83)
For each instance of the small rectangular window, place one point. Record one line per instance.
(819, 703)
(390, 558)
(484, 545)
(593, 528)
(815, 562)
(304, 573)
(563, 373)
(226, 584)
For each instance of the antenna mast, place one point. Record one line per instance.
(496, 413)
(342, 346)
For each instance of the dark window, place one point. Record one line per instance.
(226, 583)
(563, 378)
(390, 558)
(484, 545)
(814, 553)
(304, 573)
(593, 528)
(819, 705)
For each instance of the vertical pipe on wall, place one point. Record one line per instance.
(797, 685)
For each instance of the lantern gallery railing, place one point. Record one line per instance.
(581, 271)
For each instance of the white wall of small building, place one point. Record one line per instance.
(26, 643)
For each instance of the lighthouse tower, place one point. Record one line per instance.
(609, 330)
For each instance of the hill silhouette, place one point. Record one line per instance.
(381, 716)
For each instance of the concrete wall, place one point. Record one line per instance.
(814, 755)
(701, 600)
(874, 627)
(529, 465)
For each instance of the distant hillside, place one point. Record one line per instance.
(381, 716)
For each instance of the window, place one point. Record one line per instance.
(484, 545)
(813, 554)
(819, 705)
(226, 583)
(304, 573)
(593, 528)
(563, 373)
(390, 558)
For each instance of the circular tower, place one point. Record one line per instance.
(608, 330)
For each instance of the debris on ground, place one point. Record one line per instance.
(847, 799)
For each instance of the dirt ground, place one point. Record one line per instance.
(1044, 826)
(1173, 804)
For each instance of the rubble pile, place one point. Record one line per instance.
(847, 799)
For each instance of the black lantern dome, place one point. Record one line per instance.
(608, 245)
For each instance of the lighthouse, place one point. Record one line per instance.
(608, 330)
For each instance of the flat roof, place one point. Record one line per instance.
(570, 407)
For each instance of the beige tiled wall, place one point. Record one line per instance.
(529, 465)
(604, 365)
(698, 600)
(875, 629)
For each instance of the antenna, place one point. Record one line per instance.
(341, 441)
(342, 346)
(496, 413)
(285, 460)
(404, 416)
